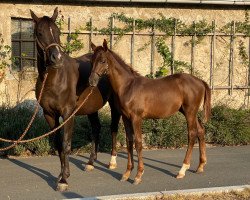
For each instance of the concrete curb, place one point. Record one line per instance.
(158, 195)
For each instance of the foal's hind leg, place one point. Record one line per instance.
(115, 118)
(202, 147)
(96, 126)
(192, 134)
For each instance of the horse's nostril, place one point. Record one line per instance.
(53, 58)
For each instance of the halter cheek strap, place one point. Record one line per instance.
(105, 71)
(45, 49)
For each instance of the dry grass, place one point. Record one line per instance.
(232, 195)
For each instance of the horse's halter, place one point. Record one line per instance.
(45, 50)
(105, 71)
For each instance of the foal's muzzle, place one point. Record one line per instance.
(94, 79)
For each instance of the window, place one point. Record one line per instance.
(23, 44)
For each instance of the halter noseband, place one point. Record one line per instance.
(45, 49)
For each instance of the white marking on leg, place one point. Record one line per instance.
(184, 168)
(112, 163)
(113, 160)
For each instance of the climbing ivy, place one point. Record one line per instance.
(240, 27)
(171, 26)
(73, 43)
(168, 61)
(5, 56)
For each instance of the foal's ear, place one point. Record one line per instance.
(92, 45)
(105, 45)
(34, 17)
(55, 14)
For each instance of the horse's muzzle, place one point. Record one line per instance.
(94, 79)
(55, 56)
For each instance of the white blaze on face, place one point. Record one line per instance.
(59, 54)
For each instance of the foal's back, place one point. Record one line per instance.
(162, 97)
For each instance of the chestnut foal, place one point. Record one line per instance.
(140, 97)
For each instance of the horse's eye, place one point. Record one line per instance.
(40, 34)
(103, 61)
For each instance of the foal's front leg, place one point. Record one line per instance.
(130, 142)
(115, 118)
(62, 184)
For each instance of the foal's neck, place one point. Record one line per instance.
(121, 75)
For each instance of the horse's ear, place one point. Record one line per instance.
(105, 45)
(93, 47)
(34, 17)
(55, 14)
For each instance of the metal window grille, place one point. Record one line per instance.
(23, 45)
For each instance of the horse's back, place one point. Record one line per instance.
(192, 88)
(186, 81)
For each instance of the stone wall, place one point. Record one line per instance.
(80, 14)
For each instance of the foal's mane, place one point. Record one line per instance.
(122, 62)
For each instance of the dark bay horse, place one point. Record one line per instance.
(140, 97)
(65, 88)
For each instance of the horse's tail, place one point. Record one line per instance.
(207, 102)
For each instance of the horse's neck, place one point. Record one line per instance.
(120, 76)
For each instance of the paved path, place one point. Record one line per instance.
(34, 178)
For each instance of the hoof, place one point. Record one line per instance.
(137, 181)
(89, 168)
(199, 170)
(124, 178)
(61, 187)
(112, 165)
(179, 176)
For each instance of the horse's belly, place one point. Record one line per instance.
(159, 109)
(90, 101)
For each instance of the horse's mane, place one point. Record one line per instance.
(122, 62)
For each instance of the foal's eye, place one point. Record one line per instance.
(103, 62)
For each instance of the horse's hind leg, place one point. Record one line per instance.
(202, 147)
(96, 127)
(137, 123)
(192, 134)
(115, 118)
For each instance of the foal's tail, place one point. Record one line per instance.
(207, 102)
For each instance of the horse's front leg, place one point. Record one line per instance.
(130, 142)
(62, 184)
(115, 118)
(96, 126)
(56, 138)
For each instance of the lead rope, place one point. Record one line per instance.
(30, 123)
(46, 134)
(15, 142)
